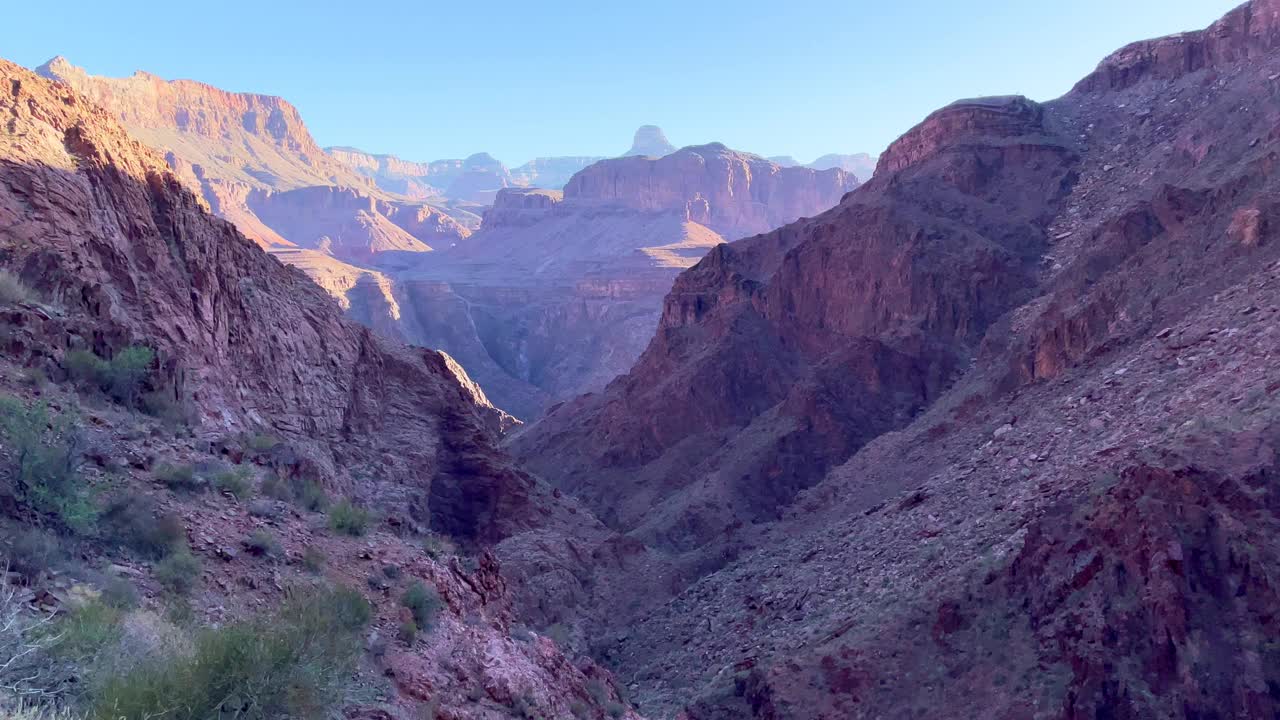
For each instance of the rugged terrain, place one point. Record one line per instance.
(995, 437)
(557, 293)
(253, 376)
(254, 162)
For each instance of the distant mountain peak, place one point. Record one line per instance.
(650, 141)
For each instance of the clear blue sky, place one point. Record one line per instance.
(427, 80)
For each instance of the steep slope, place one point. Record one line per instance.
(121, 254)
(243, 152)
(986, 440)
(779, 355)
(95, 220)
(557, 294)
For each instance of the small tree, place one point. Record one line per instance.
(46, 455)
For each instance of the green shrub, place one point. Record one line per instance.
(312, 497)
(424, 602)
(135, 523)
(180, 478)
(349, 519)
(179, 572)
(407, 632)
(45, 457)
(262, 543)
(84, 631)
(237, 481)
(34, 553)
(12, 289)
(122, 377)
(295, 663)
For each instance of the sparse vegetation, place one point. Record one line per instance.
(45, 455)
(238, 481)
(305, 493)
(180, 478)
(407, 633)
(136, 523)
(424, 602)
(293, 663)
(84, 631)
(121, 377)
(349, 519)
(33, 553)
(178, 572)
(263, 544)
(261, 442)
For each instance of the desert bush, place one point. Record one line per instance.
(424, 602)
(306, 493)
(178, 572)
(33, 553)
(312, 497)
(262, 543)
(294, 663)
(85, 630)
(45, 455)
(237, 481)
(12, 289)
(135, 522)
(407, 633)
(122, 377)
(180, 478)
(348, 519)
(274, 487)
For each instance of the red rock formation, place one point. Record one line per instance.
(95, 221)
(733, 193)
(251, 154)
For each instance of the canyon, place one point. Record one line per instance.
(991, 432)
(421, 252)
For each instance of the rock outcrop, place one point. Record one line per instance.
(734, 193)
(650, 141)
(243, 152)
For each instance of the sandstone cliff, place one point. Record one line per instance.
(650, 141)
(243, 152)
(736, 194)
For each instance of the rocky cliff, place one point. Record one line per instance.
(734, 193)
(557, 293)
(243, 152)
(984, 440)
